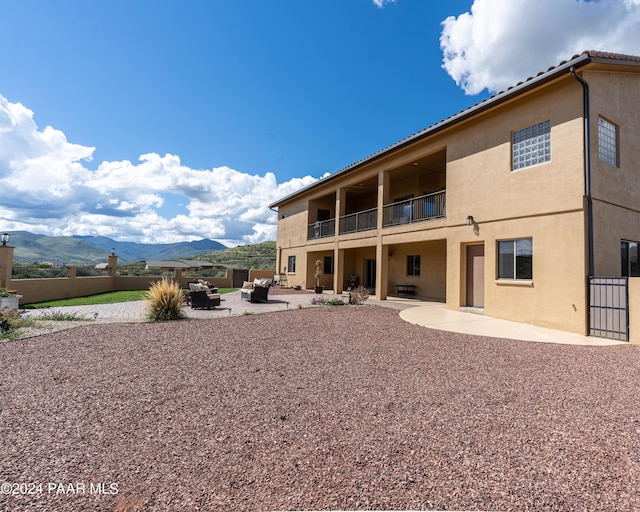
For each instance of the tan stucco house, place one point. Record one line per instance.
(506, 208)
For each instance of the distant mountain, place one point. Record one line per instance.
(80, 250)
(59, 250)
(132, 251)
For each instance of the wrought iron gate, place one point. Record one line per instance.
(609, 307)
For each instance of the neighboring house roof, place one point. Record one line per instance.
(188, 265)
(176, 264)
(577, 61)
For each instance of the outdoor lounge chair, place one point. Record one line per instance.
(257, 291)
(201, 296)
(203, 300)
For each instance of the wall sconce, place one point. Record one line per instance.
(469, 220)
(5, 238)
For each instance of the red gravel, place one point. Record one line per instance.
(326, 408)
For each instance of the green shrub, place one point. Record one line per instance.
(324, 301)
(11, 322)
(359, 295)
(59, 316)
(165, 300)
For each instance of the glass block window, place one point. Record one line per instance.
(608, 142)
(531, 145)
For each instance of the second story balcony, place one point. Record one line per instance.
(321, 229)
(427, 207)
(359, 221)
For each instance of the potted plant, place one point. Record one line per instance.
(318, 288)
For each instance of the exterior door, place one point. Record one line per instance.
(370, 274)
(475, 276)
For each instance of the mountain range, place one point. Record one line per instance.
(79, 250)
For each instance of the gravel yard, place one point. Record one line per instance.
(323, 408)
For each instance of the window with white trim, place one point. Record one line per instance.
(515, 259)
(292, 264)
(531, 145)
(607, 142)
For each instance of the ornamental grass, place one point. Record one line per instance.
(165, 301)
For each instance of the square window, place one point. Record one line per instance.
(515, 259)
(531, 145)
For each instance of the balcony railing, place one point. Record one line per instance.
(359, 221)
(430, 206)
(321, 229)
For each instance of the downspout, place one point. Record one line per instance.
(587, 169)
(279, 253)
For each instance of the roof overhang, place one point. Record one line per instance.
(542, 78)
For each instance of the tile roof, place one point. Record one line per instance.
(531, 82)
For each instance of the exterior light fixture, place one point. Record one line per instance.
(5, 238)
(469, 220)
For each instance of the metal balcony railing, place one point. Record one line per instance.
(427, 207)
(321, 229)
(359, 221)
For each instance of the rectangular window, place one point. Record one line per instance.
(515, 259)
(292, 264)
(413, 265)
(629, 258)
(328, 265)
(608, 142)
(531, 145)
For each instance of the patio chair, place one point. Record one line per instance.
(203, 300)
(257, 291)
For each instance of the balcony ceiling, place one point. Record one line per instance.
(436, 162)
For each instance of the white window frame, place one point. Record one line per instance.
(291, 259)
(518, 244)
(531, 145)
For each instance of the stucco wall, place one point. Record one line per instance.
(544, 202)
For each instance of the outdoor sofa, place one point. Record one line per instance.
(201, 296)
(257, 291)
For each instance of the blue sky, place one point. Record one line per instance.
(159, 121)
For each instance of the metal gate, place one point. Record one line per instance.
(240, 275)
(609, 308)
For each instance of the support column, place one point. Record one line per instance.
(341, 205)
(112, 265)
(383, 195)
(338, 270)
(382, 270)
(6, 265)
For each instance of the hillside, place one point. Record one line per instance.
(59, 250)
(260, 256)
(87, 250)
(132, 251)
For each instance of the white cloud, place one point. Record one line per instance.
(47, 189)
(382, 3)
(502, 42)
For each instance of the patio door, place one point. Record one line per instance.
(370, 274)
(475, 276)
